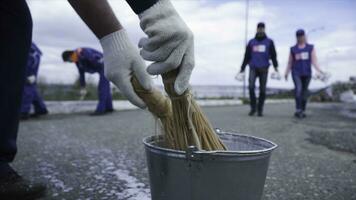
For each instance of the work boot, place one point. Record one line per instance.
(14, 187)
(24, 116)
(298, 115)
(39, 113)
(260, 114)
(252, 113)
(110, 110)
(97, 113)
(44, 112)
(303, 114)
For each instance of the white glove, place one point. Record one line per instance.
(323, 76)
(170, 43)
(83, 92)
(240, 76)
(121, 61)
(276, 76)
(31, 79)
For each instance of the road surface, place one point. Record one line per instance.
(84, 157)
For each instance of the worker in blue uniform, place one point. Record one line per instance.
(89, 60)
(30, 94)
(302, 57)
(259, 51)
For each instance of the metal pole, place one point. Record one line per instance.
(246, 33)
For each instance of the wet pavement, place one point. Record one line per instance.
(84, 157)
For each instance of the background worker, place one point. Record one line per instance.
(89, 60)
(258, 52)
(30, 95)
(169, 44)
(302, 56)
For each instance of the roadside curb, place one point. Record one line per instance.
(66, 107)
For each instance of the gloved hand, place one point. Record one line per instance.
(170, 43)
(323, 76)
(31, 79)
(82, 92)
(275, 75)
(240, 76)
(121, 62)
(326, 77)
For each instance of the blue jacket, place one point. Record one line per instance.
(33, 61)
(89, 61)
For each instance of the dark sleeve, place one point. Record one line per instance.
(81, 77)
(246, 58)
(273, 55)
(138, 6)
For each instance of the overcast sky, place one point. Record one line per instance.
(219, 28)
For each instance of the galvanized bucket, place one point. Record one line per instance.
(237, 174)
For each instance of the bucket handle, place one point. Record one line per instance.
(191, 153)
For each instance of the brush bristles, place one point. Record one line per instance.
(182, 120)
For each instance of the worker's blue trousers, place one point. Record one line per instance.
(31, 96)
(104, 93)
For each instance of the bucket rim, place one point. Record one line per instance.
(179, 153)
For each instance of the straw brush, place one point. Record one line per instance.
(183, 122)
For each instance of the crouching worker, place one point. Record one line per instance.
(30, 94)
(91, 61)
(301, 58)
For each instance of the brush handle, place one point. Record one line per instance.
(182, 111)
(169, 79)
(156, 102)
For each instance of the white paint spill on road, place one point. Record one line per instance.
(51, 175)
(135, 190)
(108, 174)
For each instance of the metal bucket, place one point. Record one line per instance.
(237, 174)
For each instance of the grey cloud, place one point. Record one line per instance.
(219, 30)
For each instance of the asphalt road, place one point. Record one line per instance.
(84, 157)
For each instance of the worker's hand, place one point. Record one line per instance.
(82, 93)
(275, 75)
(31, 79)
(286, 76)
(121, 62)
(170, 43)
(323, 76)
(240, 76)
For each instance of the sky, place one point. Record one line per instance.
(219, 30)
